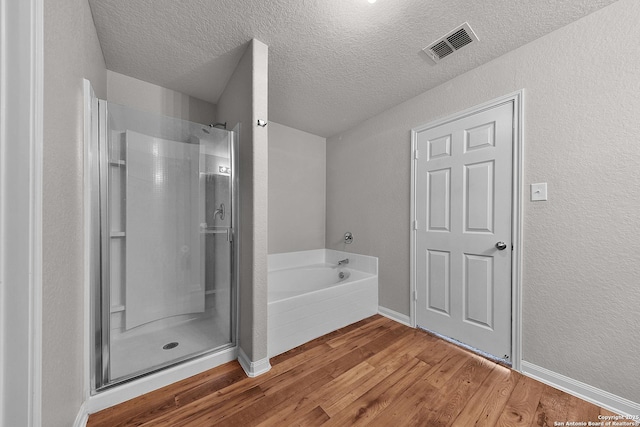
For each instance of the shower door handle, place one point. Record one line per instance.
(216, 229)
(208, 229)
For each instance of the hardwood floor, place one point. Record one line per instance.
(376, 372)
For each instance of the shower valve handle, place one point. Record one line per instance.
(220, 211)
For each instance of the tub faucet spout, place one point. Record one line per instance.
(343, 262)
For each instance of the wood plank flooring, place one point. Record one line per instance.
(376, 372)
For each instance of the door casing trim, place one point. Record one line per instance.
(517, 191)
(21, 201)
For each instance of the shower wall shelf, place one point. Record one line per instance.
(117, 308)
(117, 183)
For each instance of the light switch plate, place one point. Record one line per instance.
(538, 191)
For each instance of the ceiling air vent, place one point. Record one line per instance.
(448, 44)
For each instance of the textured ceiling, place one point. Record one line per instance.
(332, 63)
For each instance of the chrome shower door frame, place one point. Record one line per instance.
(105, 248)
(98, 170)
(99, 253)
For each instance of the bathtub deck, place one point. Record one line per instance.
(375, 372)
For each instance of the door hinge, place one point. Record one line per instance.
(415, 296)
(416, 154)
(415, 225)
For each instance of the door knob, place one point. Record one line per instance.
(501, 246)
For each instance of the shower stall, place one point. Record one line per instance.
(162, 198)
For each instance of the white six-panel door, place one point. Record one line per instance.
(463, 190)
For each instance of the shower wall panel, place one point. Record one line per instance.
(163, 273)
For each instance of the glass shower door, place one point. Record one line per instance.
(167, 290)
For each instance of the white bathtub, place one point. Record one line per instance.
(308, 299)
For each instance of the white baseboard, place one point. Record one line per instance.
(610, 401)
(82, 417)
(253, 369)
(394, 315)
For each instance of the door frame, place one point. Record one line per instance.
(517, 191)
(21, 199)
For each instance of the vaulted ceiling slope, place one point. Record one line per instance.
(332, 63)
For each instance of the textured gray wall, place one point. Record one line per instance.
(297, 189)
(141, 95)
(71, 53)
(581, 248)
(244, 101)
